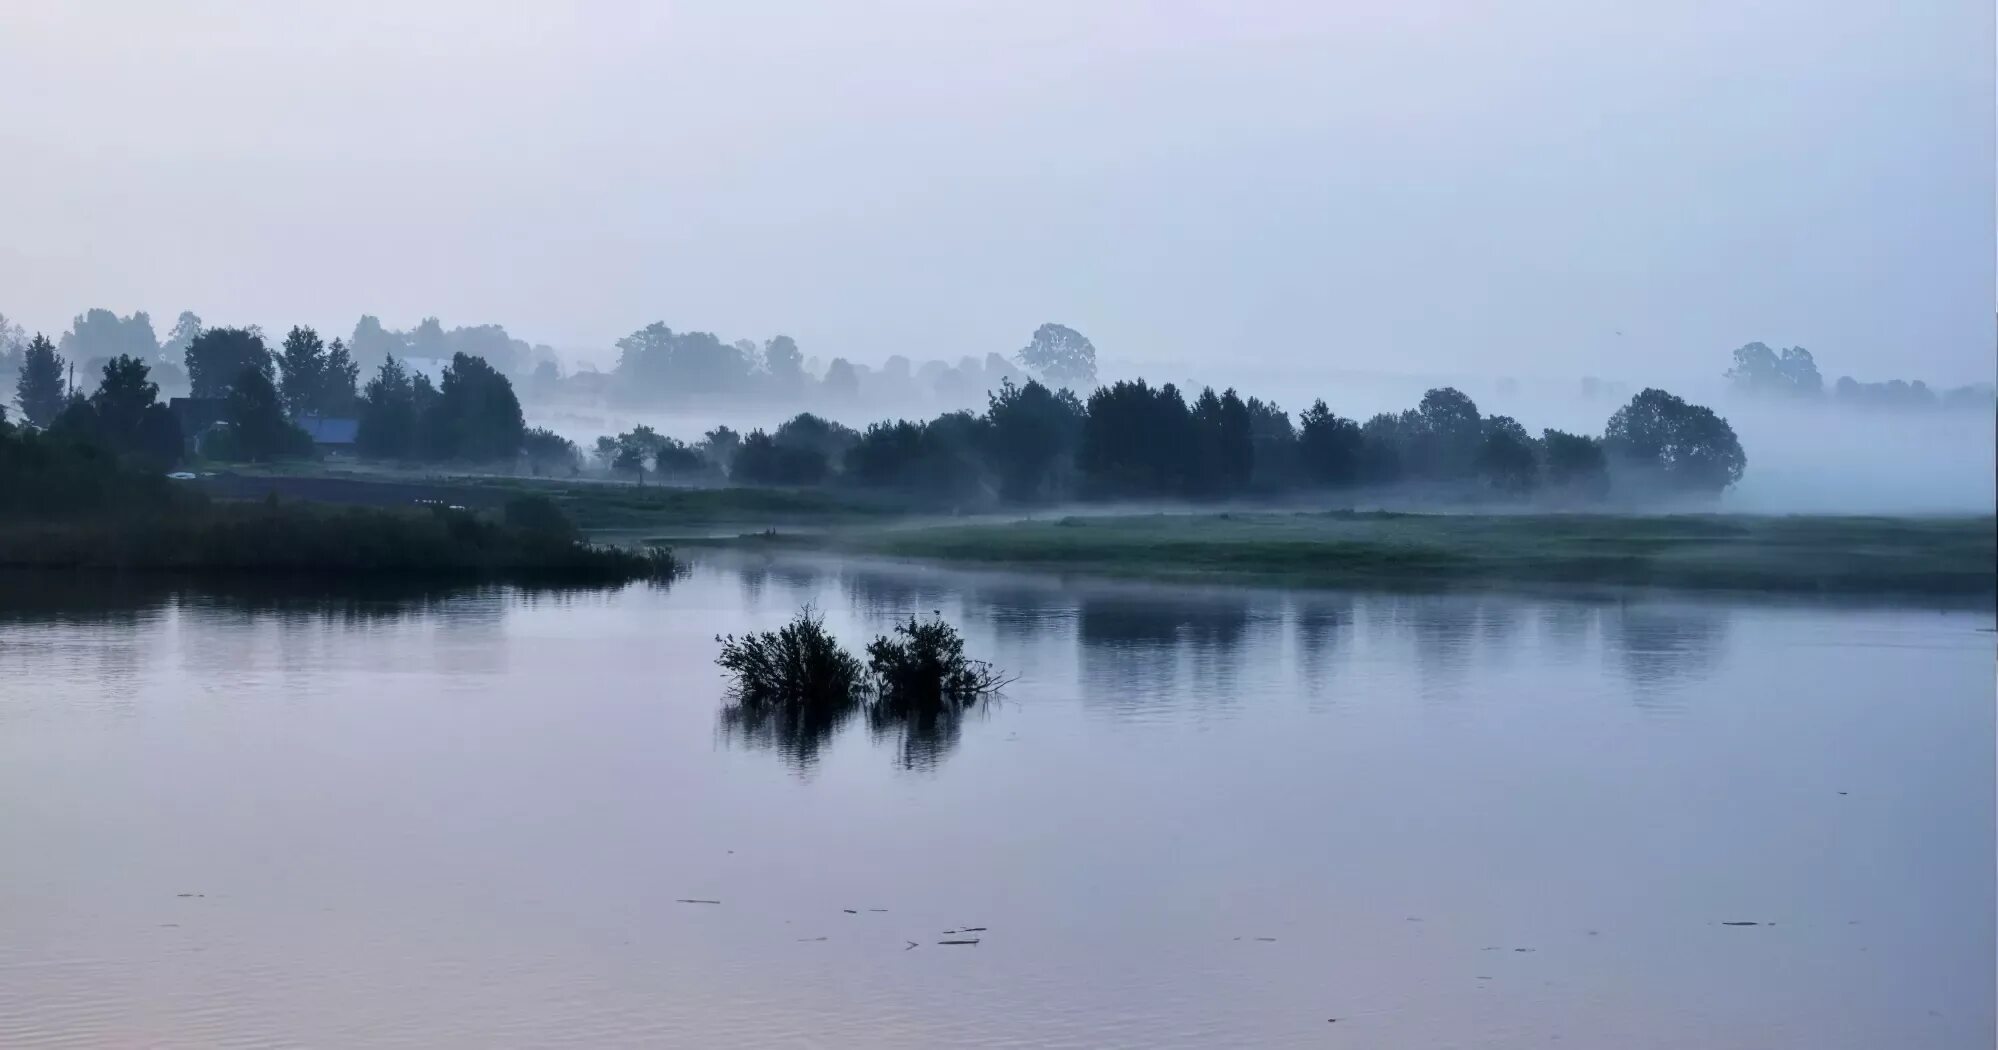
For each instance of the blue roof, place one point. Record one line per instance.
(331, 431)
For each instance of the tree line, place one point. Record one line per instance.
(249, 400)
(1792, 374)
(1035, 442)
(1131, 440)
(656, 366)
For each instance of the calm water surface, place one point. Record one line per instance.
(1213, 818)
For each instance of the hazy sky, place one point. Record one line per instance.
(1497, 187)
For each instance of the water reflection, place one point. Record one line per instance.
(1321, 628)
(1565, 629)
(797, 734)
(895, 595)
(1156, 654)
(800, 734)
(44, 597)
(797, 581)
(1661, 646)
(922, 740)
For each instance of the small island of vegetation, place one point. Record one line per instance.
(793, 688)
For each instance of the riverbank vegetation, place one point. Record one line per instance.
(69, 503)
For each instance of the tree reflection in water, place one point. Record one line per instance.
(1152, 653)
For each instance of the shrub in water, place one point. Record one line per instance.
(798, 664)
(921, 668)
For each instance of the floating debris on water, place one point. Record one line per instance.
(972, 940)
(694, 900)
(1742, 924)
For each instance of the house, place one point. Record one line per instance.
(334, 434)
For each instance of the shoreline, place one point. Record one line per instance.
(1901, 559)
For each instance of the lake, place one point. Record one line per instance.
(1198, 818)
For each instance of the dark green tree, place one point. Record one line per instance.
(218, 357)
(1666, 443)
(547, 452)
(1383, 439)
(258, 429)
(125, 416)
(1507, 460)
(318, 379)
(477, 415)
(939, 460)
(1446, 438)
(303, 360)
(762, 460)
(1330, 448)
(1225, 444)
(719, 446)
(41, 388)
(1137, 441)
(1573, 465)
(1032, 435)
(817, 434)
(1276, 456)
(389, 414)
(338, 379)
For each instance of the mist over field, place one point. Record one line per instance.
(1298, 200)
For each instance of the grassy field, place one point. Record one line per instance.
(1832, 555)
(281, 538)
(604, 509)
(1804, 554)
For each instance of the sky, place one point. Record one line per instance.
(1531, 187)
